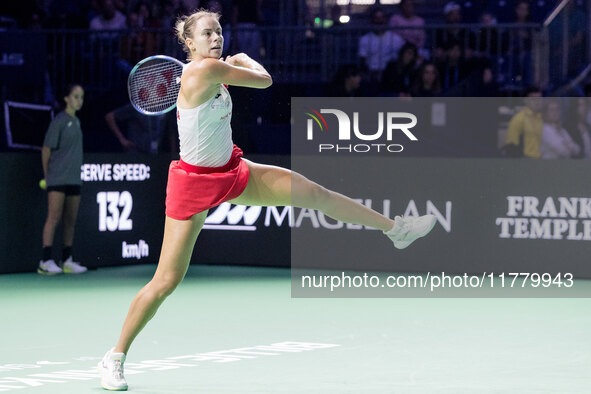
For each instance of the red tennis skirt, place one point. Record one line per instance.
(193, 189)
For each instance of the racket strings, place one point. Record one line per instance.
(154, 68)
(153, 87)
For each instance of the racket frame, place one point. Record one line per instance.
(132, 73)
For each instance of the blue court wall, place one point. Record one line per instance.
(493, 214)
(121, 217)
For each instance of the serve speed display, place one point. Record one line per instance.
(122, 208)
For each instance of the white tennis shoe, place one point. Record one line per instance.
(407, 230)
(111, 371)
(72, 267)
(48, 267)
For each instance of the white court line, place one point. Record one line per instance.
(12, 383)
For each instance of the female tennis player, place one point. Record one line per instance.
(211, 170)
(61, 157)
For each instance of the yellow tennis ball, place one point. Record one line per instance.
(43, 184)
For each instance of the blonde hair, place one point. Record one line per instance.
(185, 26)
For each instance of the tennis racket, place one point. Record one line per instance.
(154, 83)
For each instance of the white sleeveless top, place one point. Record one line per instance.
(205, 133)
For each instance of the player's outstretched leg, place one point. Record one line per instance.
(177, 248)
(276, 186)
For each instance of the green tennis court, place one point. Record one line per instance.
(237, 330)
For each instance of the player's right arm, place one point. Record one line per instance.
(201, 80)
(237, 70)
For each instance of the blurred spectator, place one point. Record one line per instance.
(105, 42)
(399, 75)
(407, 18)
(109, 19)
(520, 45)
(346, 82)
(146, 19)
(482, 83)
(525, 128)
(137, 44)
(171, 10)
(453, 69)
(137, 132)
(94, 9)
(245, 36)
(505, 10)
(427, 82)
(556, 143)
(572, 49)
(576, 124)
(522, 14)
(68, 14)
(121, 6)
(452, 33)
(489, 42)
(378, 47)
